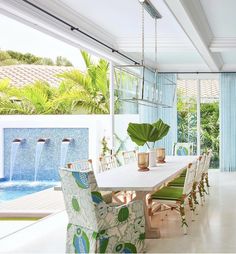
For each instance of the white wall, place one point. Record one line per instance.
(99, 125)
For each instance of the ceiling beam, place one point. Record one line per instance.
(191, 17)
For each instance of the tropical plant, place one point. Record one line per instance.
(78, 93)
(144, 133)
(89, 90)
(31, 99)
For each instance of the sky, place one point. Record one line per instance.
(19, 37)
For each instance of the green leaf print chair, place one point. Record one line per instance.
(182, 149)
(94, 226)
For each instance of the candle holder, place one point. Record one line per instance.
(161, 154)
(143, 161)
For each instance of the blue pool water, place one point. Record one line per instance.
(14, 190)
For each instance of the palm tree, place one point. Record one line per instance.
(30, 99)
(88, 91)
(79, 92)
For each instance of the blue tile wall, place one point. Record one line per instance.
(50, 158)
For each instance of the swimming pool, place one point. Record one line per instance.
(14, 190)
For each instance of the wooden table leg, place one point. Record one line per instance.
(150, 232)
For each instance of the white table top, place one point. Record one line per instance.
(128, 177)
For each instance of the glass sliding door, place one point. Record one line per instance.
(187, 112)
(209, 109)
(198, 115)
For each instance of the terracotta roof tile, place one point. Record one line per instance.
(26, 74)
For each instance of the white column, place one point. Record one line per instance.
(198, 117)
(112, 110)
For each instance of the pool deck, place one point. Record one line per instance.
(36, 205)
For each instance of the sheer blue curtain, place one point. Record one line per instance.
(148, 114)
(167, 86)
(228, 122)
(167, 83)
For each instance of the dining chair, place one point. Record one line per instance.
(206, 168)
(109, 162)
(174, 198)
(183, 149)
(129, 156)
(197, 185)
(94, 226)
(87, 165)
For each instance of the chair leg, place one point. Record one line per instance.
(192, 209)
(194, 197)
(182, 214)
(125, 197)
(207, 183)
(200, 194)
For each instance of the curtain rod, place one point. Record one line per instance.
(73, 28)
(194, 72)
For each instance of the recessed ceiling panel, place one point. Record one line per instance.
(221, 16)
(123, 18)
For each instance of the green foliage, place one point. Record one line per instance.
(4, 56)
(210, 130)
(187, 125)
(23, 58)
(11, 57)
(88, 91)
(162, 129)
(143, 133)
(78, 93)
(62, 61)
(105, 148)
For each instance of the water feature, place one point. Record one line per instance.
(26, 167)
(38, 152)
(14, 148)
(64, 150)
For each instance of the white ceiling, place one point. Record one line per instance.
(193, 35)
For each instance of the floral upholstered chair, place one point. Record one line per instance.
(97, 227)
(182, 149)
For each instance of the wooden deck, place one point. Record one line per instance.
(36, 205)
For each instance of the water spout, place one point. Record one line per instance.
(43, 140)
(64, 149)
(14, 148)
(38, 152)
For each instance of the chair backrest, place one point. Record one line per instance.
(81, 194)
(129, 156)
(182, 149)
(200, 167)
(107, 163)
(207, 161)
(189, 179)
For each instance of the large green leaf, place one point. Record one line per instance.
(162, 129)
(142, 133)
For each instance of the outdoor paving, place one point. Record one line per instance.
(39, 204)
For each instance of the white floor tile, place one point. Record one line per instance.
(214, 229)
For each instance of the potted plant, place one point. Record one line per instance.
(145, 133)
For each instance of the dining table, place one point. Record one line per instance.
(129, 178)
